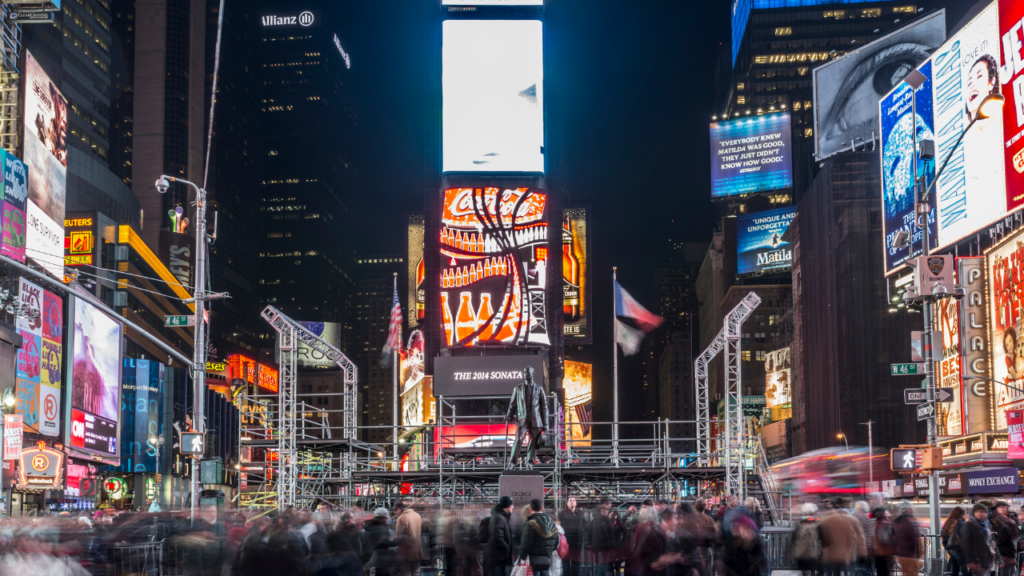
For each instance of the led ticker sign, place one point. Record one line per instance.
(252, 372)
(494, 246)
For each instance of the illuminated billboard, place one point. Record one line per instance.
(494, 247)
(1011, 30)
(416, 304)
(897, 152)
(492, 90)
(579, 402)
(329, 332)
(46, 156)
(251, 372)
(80, 239)
(576, 276)
(142, 399)
(778, 392)
(1005, 264)
(38, 369)
(971, 193)
(492, 2)
(467, 376)
(947, 370)
(759, 244)
(847, 89)
(751, 155)
(93, 379)
(15, 175)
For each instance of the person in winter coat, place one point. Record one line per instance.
(862, 512)
(743, 550)
(1006, 534)
(560, 553)
(974, 536)
(381, 543)
(951, 541)
(885, 541)
(540, 539)
(408, 534)
(498, 553)
(708, 537)
(843, 540)
(906, 540)
(806, 541)
(601, 538)
(575, 534)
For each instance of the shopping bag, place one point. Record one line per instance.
(522, 568)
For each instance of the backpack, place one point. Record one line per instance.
(885, 534)
(807, 541)
(484, 531)
(953, 542)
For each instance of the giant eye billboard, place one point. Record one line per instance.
(492, 85)
(759, 244)
(751, 155)
(93, 379)
(494, 266)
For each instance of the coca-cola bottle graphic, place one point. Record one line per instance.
(483, 315)
(446, 317)
(465, 319)
(421, 293)
(570, 275)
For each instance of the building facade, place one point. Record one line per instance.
(374, 301)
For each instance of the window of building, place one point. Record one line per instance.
(871, 13)
(741, 99)
(808, 132)
(904, 10)
(786, 31)
(741, 85)
(745, 354)
(760, 355)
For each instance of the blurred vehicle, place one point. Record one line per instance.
(830, 471)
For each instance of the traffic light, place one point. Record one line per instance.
(931, 459)
(193, 443)
(903, 459)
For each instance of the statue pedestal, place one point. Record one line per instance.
(521, 486)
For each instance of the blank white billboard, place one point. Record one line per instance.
(493, 96)
(492, 2)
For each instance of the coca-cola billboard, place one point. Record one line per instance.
(494, 267)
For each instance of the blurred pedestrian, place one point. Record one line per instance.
(540, 539)
(843, 540)
(951, 542)
(862, 512)
(754, 507)
(806, 541)
(409, 536)
(382, 559)
(885, 542)
(906, 540)
(708, 537)
(974, 538)
(572, 523)
(498, 553)
(1006, 534)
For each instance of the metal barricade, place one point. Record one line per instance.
(777, 547)
(144, 558)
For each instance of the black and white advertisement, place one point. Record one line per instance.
(462, 376)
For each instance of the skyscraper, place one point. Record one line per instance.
(375, 295)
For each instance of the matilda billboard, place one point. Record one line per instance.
(759, 243)
(751, 155)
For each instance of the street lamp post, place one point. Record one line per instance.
(922, 210)
(842, 437)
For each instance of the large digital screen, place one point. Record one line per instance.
(579, 402)
(751, 155)
(1005, 264)
(971, 192)
(759, 244)
(1011, 30)
(142, 399)
(15, 197)
(329, 332)
(492, 2)
(465, 376)
(947, 370)
(46, 156)
(778, 391)
(492, 96)
(38, 371)
(897, 151)
(416, 304)
(576, 286)
(494, 247)
(847, 90)
(93, 379)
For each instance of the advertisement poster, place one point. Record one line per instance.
(50, 375)
(494, 266)
(142, 383)
(329, 332)
(947, 370)
(416, 302)
(94, 380)
(751, 155)
(1015, 435)
(29, 367)
(579, 402)
(576, 276)
(972, 190)
(1011, 75)
(897, 150)
(46, 156)
(847, 90)
(15, 175)
(12, 436)
(492, 92)
(759, 244)
(777, 390)
(1006, 273)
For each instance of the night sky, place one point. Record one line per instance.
(638, 78)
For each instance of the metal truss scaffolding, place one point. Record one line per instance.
(291, 334)
(700, 368)
(10, 74)
(733, 441)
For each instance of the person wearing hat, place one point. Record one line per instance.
(974, 537)
(379, 536)
(498, 554)
(1006, 534)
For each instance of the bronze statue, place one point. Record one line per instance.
(528, 408)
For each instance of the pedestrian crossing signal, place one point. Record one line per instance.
(193, 443)
(903, 459)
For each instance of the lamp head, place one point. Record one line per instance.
(990, 105)
(162, 184)
(9, 401)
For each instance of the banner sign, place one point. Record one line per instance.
(1015, 435)
(12, 436)
(996, 481)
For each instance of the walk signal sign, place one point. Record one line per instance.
(903, 459)
(193, 443)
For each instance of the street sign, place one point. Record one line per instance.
(925, 411)
(907, 369)
(193, 443)
(903, 459)
(915, 396)
(181, 320)
(945, 395)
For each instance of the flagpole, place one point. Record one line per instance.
(394, 404)
(615, 378)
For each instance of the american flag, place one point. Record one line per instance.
(584, 413)
(394, 332)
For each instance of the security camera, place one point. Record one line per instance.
(910, 294)
(958, 293)
(900, 239)
(162, 184)
(939, 290)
